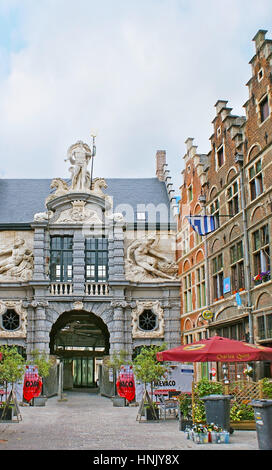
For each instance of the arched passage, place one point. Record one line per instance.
(80, 339)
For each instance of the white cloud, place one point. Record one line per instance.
(145, 74)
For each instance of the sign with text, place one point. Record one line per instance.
(125, 383)
(177, 380)
(32, 383)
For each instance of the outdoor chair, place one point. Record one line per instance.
(167, 406)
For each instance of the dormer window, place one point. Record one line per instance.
(141, 216)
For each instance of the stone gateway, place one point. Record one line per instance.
(88, 267)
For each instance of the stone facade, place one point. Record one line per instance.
(140, 269)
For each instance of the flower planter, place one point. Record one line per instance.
(39, 401)
(246, 425)
(149, 414)
(119, 401)
(8, 414)
(185, 423)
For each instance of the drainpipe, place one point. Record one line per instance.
(239, 158)
(202, 200)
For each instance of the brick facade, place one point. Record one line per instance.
(234, 180)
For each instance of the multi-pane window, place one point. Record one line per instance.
(61, 259)
(214, 210)
(265, 326)
(190, 193)
(264, 108)
(237, 266)
(217, 276)
(255, 180)
(96, 259)
(186, 240)
(188, 293)
(261, 251)
(200, 287)
(233, 199)
(235, 331)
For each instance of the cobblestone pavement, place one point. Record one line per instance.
(88, 421)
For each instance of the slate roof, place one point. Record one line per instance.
(20, 199)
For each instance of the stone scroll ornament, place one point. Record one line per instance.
(16, 261)
(145, 262)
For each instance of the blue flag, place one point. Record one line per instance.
(202, 224)
(238, 299)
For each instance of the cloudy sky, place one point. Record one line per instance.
(144, 74)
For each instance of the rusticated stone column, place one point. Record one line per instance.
(78, 263)
(41, 339)
(117, 339)
(39, 249)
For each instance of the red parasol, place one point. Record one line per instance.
(217, 349)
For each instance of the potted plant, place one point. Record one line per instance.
(262, 277)
(266, 387)
(43, 363)
(148, 370)
(12, 368)
(115, 362)
(185, 410)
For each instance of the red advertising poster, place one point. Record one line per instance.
(125, 383)
(32, 383)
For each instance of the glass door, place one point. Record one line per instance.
(83, 372)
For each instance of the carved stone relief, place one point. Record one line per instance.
(21, 311)
(154, 306)
(16, 259)
(78, 214)
(145, 262)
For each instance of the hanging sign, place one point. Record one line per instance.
(207, 315)
(32, 383)
(238, 299)
(125, 383)
(226, 285)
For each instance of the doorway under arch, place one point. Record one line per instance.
(80, 339)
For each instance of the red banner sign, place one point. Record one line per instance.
(32, 383)
(125, 383)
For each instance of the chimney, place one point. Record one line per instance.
(259, 38)
(160, 162)
(219, 105)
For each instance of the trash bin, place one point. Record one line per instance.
(263, 419)
(217, 409)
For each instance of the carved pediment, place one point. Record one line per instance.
(78, 213)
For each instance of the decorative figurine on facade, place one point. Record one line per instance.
(18, 261)
(145, 261)
(79, 155)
